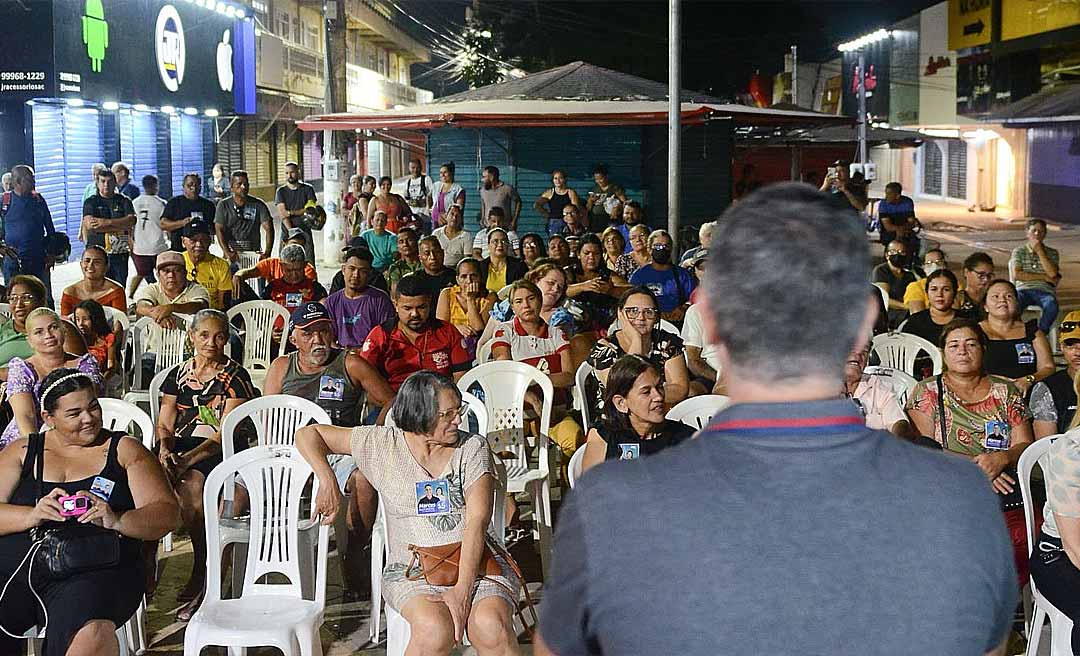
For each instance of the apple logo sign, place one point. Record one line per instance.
(224, 63)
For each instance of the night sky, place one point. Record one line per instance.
(724, 43)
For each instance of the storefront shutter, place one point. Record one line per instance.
(312, 155)
(932, 162)
(187, 148)
(957, 182)
(257, 154)
(138, 145)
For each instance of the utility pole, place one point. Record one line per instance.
(795, 75)
(333, 231)
(674, 117)
(862, 108)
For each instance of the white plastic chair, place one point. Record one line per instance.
(5, 311)
(117, 316)
(398, 631)
(117, 415)
(900, 350)
(696, 411)
(884, 298)
(170, 345)
(573, 470)
(247, 260)
(483, 353)
(1060, 625)
(902, 383)
(584, 405)
(266, 614)
(259, 318)
(504, 384)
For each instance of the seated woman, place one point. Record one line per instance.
(533, 248)
(980, 416)
(1016, 350)
(597, 288)
(614, 247)
(426, 449)
(26, 294)
(500, 268)
(130, 496)
(558, 250)
(639, 334)
(528, 338)
(467, 304)
(941, 287)
(94, 284)
(639, 254)
(554, 309)
(1055, 561)
(195, 397)
(103, 341)
(45, 336)
(633, 423)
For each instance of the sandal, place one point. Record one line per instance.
(186, 611)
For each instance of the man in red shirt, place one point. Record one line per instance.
(416, 341)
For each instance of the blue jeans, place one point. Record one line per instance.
(1045, 300)
(118, 268)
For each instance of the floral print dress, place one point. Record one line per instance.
(23, 379)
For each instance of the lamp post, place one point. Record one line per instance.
(674, 116)
(858, 46)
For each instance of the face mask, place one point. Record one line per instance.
(930, 268)
(661, 255)
(896, 260)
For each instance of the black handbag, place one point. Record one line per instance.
(68, 548)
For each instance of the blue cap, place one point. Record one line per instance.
(309, 313)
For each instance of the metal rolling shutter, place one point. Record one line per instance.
(313, 155)
(957, 175)
(471, 150)
(187, 148)
(138, 144)
(257, 154)
(931, 169)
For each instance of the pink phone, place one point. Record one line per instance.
(73, 506)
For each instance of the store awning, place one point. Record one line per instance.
(829, 135)
(1058, 104)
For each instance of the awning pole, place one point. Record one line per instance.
(674, 115)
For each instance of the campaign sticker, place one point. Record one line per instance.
(1025, 353)
(997, 436)
(331, 389)
(433, 498)
(249, 213)
(294, 299)
(102, 488)
(629, 451)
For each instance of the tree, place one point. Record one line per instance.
(478, 62)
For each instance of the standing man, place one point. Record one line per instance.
(107, 221)
(292, 198)
(602, 198)
(357, 308)
(496, 193)
(418, 195)
(778, 449)
(1053, 399)
(184, 208)
(1034, 268)
(205, 268)
(633, 214)
(239, 219)
(124, 185)
(844, 190)
(149, 238)
(91, 187)
(25, 221)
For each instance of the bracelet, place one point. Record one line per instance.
(1030, 379)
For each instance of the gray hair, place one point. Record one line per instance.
(706, 230)
(416, 407)
(659, 233)
(293, 253)
(208, 313)
(97, 168)
(787, 284)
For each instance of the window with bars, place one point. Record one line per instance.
(931, 169)
(957, 175)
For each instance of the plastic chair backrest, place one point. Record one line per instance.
(117, 415)
(884, 297)
(1035, 452)
(5, 311)
(277, 417)
(696, 411)
(504, 384)
(902, 383)
(247, 260)
(114, 315)
(170, 344)
(899, 351)
(259, 318)
(573, 470)
(276, 478)
(477, 409)
(584, 403)
(483, 352)
(155, 391)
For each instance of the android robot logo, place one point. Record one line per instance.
(95, 33)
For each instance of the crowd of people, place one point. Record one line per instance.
(418, 301)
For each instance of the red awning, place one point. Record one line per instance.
(418, 121)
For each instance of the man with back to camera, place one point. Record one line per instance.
(802, 545)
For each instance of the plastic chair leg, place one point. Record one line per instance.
(378, 553)
(1034, 637)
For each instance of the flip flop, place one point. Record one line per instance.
(186, 611)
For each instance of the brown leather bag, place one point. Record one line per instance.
(438, 565)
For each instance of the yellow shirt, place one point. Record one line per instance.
(213, 274)
(916, 291)
(496, 279)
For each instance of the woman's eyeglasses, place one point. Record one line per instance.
(459, 411)
(19, 299)
(633, 312)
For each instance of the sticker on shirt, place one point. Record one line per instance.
(433, 498)
(629, 451)
(331, 389)
(441, 359)
(249, 213)
(1025, 353)
(997, 436)
(102, 488)
(196, 215)
(294, 299)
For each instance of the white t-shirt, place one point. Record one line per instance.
(417, 192)
(693, 334)
(456, 249)
(481, 242)
(148, 235)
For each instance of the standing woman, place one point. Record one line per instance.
(639, 254)
(633, 423)
(395, 207)
(1016, 350)
(447, 193)
(45, 335)
(500, 268)
(614, 247)
(195, 398)
(550, 204)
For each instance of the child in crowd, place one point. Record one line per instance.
(89, 318)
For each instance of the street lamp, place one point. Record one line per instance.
(859, 46)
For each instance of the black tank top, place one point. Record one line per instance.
(557, 203)
(630, 446)
(1013, 358)
(26, 492)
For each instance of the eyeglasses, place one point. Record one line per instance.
(633, 312)
(449, 414)
(19, 299)
(983, 275)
